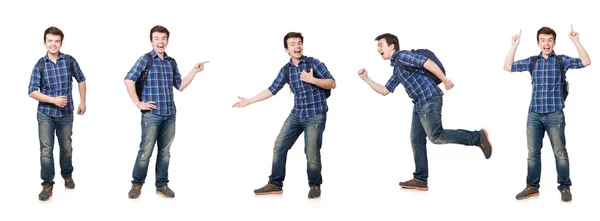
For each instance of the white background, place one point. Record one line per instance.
(221, 154)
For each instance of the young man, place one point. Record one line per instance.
(309, 114)
(546, 108)
(51, 85)
(158, 109)
(427, 99)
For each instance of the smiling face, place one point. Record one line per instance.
(385, 50)
(294, 47)
(159, 42)
(546, 43)
(53, 44)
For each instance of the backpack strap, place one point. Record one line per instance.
(41, 65)
(563, 77)
(173, 65)
(71, 68)
(308, 65)
(149, 61)
(286, 72)
(532, 63)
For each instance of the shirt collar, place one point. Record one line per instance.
(551, 55)
(154, 54)
(60, 56)
(302, 61)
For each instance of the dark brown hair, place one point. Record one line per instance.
(159, 29)
(292, 35)
(546, 31)
(53, 31)
(390, 39)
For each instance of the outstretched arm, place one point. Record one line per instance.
(188, 79)
(583, 55)
(510, 58)
(259, 97)
(364, 74)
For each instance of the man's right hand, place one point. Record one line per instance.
(517, 38)
(363, 73)
(147, 105)
(60, 101)
(242, 102)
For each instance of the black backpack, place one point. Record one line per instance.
(41, 65)
(141, 81)
(427, 53)
(308, 66)
(563, 76)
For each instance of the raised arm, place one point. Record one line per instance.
(510, 58)
(583, 55)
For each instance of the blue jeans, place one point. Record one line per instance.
(554, 124)
(313, 128)
(47, 126)
(427, 122)
(160, 130)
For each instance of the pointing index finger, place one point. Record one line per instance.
(520, 31)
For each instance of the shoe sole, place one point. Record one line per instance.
(165, 195)
(566, 200)
(69, 187)
(270, 192)
(530, 195)
(314, 197)
(415, 188)
(134, 197)
(487, 137)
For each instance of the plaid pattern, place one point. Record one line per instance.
(546, 82)
(159, 83)
(417, 86)
(55, 83)
(309, 99)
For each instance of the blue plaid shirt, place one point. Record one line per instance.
(547, 94)
(309, 99)
(417, 86)
(56, 82)
(159, 83)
